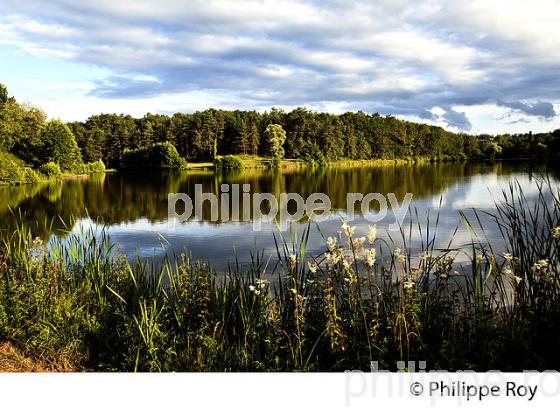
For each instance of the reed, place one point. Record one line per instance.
(77, 303)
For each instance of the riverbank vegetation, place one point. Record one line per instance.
(316, 139)
(33, 149)
(79, 304)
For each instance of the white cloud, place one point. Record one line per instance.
(399, 57)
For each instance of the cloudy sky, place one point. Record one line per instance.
(476, 66)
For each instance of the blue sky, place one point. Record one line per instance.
(476, 66)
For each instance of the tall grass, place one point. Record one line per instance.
(77, 303)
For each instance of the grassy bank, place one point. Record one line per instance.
(258, 162)
(83, 306)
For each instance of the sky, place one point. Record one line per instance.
(472, 66)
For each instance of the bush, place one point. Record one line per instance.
(162, 155)
(51, 170)
(228, 162)
(14, 171)
(97, 167)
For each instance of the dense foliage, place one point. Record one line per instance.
(300, 134)
(14, 171)
(228, 162)
(314, 137)
(161, 155)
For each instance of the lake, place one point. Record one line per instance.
(134, 207)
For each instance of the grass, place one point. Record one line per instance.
(256, 162)
(80, 304)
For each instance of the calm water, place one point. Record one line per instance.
(133, 207)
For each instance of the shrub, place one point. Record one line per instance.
(51, 170)
(14, 171)
(228, 162)
(162, 155)
(97, 167)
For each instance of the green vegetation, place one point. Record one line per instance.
(13, 171)
(310, 136)
(60, 147)
(275, 137)
(51, 170)
(83, 306)
(316, 138)
(29, 144)
(161, 155)
(228, 162)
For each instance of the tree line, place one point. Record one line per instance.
(203, 135)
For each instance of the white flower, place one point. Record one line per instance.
(409, 284)
(359, 242)
(555, 232)
(369, 256)
(508, 257)
(331, 243)
(261, 283)
(399, 255)
(332, 258)
(424, 255)
(348, 230)
(372, 234)
(346, 264)
(517, 280)
(508, 271)
(540, 265)
(294, 291)
(312, 266)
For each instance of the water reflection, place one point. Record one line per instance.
(134, 206)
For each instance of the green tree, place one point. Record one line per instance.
(276, 136)
(254, 140)
(60, 146)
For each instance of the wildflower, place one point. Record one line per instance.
(346, 264)
(555, 232)
(331, 243)
(540, 269)
(517, 280)
(478, 258)
(372, 233)
(508, 271)
(254, 290)
(261, 283)
(332, 258)
(415, 272)
(508, 257)
(351, 279)
(293, 260)
(312, 266)
(408, 284)
(399, 255)
(424, 256)
(348, 230)
(294, 291)
(359, 242)
(540, 265)
(369, 257)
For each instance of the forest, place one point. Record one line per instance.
(26, 135)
